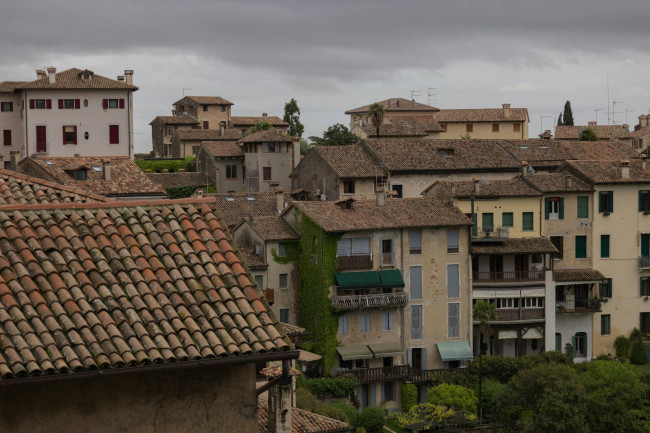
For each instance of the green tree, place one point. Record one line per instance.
(622, 348)
(377, 113)
(615, 398)
(409, 394)
(424, 417)
(292, 117)
(259, 126)
(588, 135)
(483, 312)
(466, 137)
(568, 114)
(638, 355)
(305, 147)
(454, 396)
(372, 419)
(491, 388)
(560, 121)
(335, 135)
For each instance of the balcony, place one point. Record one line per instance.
(644, 262)
(577, 306)
(508, 314)
(387, 259)
(369, 300)
(438, 375)
(353, 261)
(508, 276)
(403, 372)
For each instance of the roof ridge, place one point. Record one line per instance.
(108, 204)
(37, 180)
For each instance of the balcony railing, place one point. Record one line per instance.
(644, 262)
(514, 276)
(402, 372)
(577, 306)
(387, 259)
(438, 375)
(361, 261)
(377, 300)
(520, 313)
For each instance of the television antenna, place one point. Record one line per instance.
(415, 93)
(431, 95)
(184, 89)
(541, 119)
(597, 110)
(614, 102)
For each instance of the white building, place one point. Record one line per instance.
(69, 113)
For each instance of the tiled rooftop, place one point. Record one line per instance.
(234, 207)
(268, 136)
(274, 228)
(570, 275)
(175, 120)
(72, 79)
(395, 104)
(207, 100)
(540, 245)
(556, 182)
(168, 180)
(10, 86)
(208, 134)
(243, 121)
(350, 161)
(110, 285)
(467, 115)
(604, 132)
(608, 172)
(302, 421)
(224, 149)
(252, 260)
(492, 188)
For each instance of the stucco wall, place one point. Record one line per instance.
(11, 120)
(313, 173)
(484, 130)
(281, 162)
(215, 399)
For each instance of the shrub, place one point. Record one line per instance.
(173, 165)
(603, 358)
(454, 396)
(306, 400)
(491, 388)
(336, 387)
(636, 335)
(187, 191)
(638, 355)
(409, 396)
(622, 348)
(332, 411)
(350, 412)
(372, 419)
(503, 369)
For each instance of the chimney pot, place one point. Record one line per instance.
(120, 78)
(128, 73)
(222, 128)
(40, 74)
(643, 121)
(568, 182)
(14, 157)
(477, 185)
(523, 168)
(381, 197)
(265, 114)
(592, 123)
(279, 199)
(106, 169)
(624, 169)
(506, 111)
(51, 75)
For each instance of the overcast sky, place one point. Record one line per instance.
(334, 55)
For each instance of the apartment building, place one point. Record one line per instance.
(394, 108)
(187, 142)
(163, 129)
(484, 123)
(269, 159)
(212, 112)
(641, 134)
(400, 289)
(73, 112)
(243, 123)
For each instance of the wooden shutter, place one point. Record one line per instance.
(561, 208)
(645, 245)
(424, 358)
(611, 201)
(32, 104)
(604, 246)
(77, 104)
(60, 104)
(114, 134)
(105, 104)
(63, 129)
(6, 134)
(48, 104)
(547, 207)
(121, 103)
(75, 135)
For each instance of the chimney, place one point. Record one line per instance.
(412, 102)
(265, 114)
(592, 123)
(477, 185)
(279, 199)
(51, 75)
(120, 78)
(397, 103)
(129, 76)
(644, 163)
(506, 111)
(568, 182)
(222, 128)
(279, 410)
(643, 120)
(14, 158)
(625, 169)
(199, 193)
(40, 74)
(523, 168)
(2, 157)
(107, 170)
(381, 197)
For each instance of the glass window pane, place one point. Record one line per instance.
(452, 241)
(416, 321)
(344, 247)
(453, 320)
(361, 246)
(415, 240)
(415, 279)
(283, 280)
(453, 284)
(507, 219)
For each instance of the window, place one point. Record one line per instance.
(69, 104)
(7, 165)
(604, 246)
(516, 127)
(532, 302)
(581, 247)
(170, 130)
(69, 135)
(645, 286)
(284, 281)
(343, 324)
(487, 221)
(389, 391)
(206, 124)
(452, 241)
(644, 201)
(112, 103)
(398, 190)
(415, 279)
(39, 104)
(606, 288)
(195, 150)
(469, 127)
(558, 342)
(259, 280)
(231, 171)
(114, 134)
(282, 249)
(554, 207)
(444, 127)
(223, 108)
(415, 242)
(645, 323)
(270, 147)
(583, 206)
(348, 187)
(365, 323)
(204, 107)
(507, 219)
(284, 315)
(80, 174)
(387, 321)
(527, 221)
(495, 127)
(558, 242)
(580, 344)
(344, 247)
(416, 322)
(453, 281)
(537, 258)
(7, 106)
(453, 320)
(6, 137)
(606, 202)
(267, 173)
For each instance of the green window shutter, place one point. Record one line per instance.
(645, 245)
(475, 227)
(561, 208)
(640, 202)
(487, 221)
(604, 246)
(641, 286)
(581, 247)
(600, 202)
(611, 201)
(583, 207)
(547, 207)
(506, 219)
(558, 342)
(527, 221)
(609, 288)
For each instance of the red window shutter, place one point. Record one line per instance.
(77, 104)
(75, 135)
(48, 104)
(7, 137)
(32, 104)
(114, 134)
(60, 104)
(105, 104)
(121, 103)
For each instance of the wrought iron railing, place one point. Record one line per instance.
(403, 372)
(508, 276)
(378, 300)
(520, 313)
(644, 262)
(361, 261)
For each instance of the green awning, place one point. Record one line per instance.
(357, 280)
(360, 351)
(387, 349)
(455, 351)
(391, 278)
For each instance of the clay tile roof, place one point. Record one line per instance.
(641, 132)
(243, 121)
(395, 129)
(19, 188)
(224, 149)
(72, 79)
(426, 155)
(268, 136)
(168, 180)
(207, 100)
(126, 176)
(208, 134)
(234, 207)
(477, 115)
(604, 132)
(293, 330)
(10, 86)
(350, 161)
(175, 120)
(252, 260)
(99, 286)
(609, 172)
(569, 275)
(539, 245)
(428, 124)
(492, 188)
(395, 104)
(274, 228)
(556, 182)
(394, 214)
(301, 421)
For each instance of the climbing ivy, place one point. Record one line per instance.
(293, 254)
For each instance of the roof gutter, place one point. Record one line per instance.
(177, 366)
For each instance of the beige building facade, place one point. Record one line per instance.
(212, 112)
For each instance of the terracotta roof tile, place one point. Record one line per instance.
(609, 172)
(72, 79)
(540, 245)
(395, 104)
(491, 188)
(224, 149)
(274, 228)
(293, 330)
(569, 275)
(208, 134)
(175, 120)
(10, 86)
(268, 136)
(235, 207)
(351, 161)
(207, 100)
(243, 121)
(604, 132)
(395, 213)
(302, 421)
(476, 115)
(641, 132)
(252, 260)
(395, 129)
(556, 182)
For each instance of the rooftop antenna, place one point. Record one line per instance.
(627, 111)
(431, 95)
(541, 119)
(184, 89)
(614, 102)
(415, 93)
(597, 110)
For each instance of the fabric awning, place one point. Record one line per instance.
(455, 351)
(357, 280)
(308, 356)
(360, 351)
(532, 334)
(387, 349)
(391, 278)
(504, 335)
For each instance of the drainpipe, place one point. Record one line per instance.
(471, 293)
(403, 319)
(25, 107)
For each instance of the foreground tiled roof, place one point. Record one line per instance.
(466, 115)
(268, 136)
(302, 421)
(608, 172)
(243, 121)
(111, 285)
(274, 228)
(395, 213)
(492, 188)
(556, 182)
(234, 207)
(208, 134)
(18, 188)
(604, 132)
(224, 149)
(126, 176)
(175, 120)
(72, 79)
(538, 245)
(168, 180)
(569, 275)
(10, 86)
(395, 104)
(208, 100)
(350, 161)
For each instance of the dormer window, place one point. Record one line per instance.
(80, 175)
(446, 152)
(86, 75)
